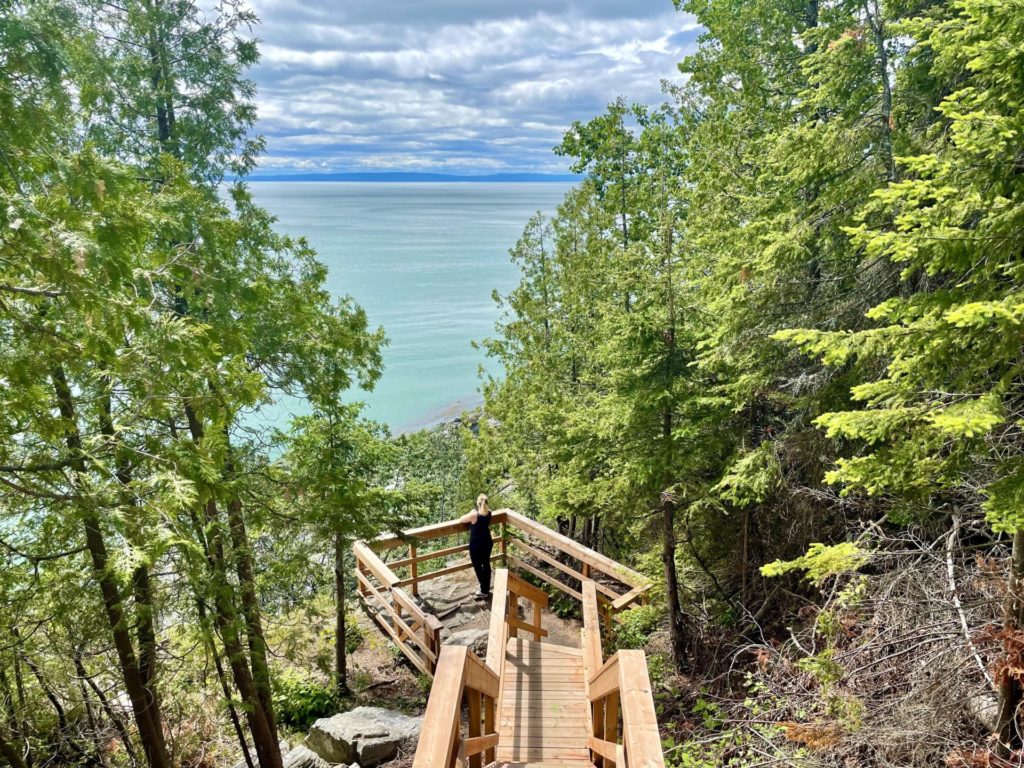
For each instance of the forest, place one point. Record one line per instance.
(767, 353)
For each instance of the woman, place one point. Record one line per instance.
(480, 543)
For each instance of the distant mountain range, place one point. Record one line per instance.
(415, 176)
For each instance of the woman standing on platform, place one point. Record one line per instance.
(480, 543)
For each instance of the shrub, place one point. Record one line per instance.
(300, 699)
(636, 627)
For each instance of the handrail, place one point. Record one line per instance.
(459, 673)
(417, 632)
(619, 685)
(497, 632)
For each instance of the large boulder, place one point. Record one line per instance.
(367, 735)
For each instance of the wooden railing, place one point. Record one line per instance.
(619, 589)
(621, 701)
(382, 583)
(505, 622)
(443, 741)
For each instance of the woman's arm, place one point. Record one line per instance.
(469, 518)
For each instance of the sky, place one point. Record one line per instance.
(451, 86)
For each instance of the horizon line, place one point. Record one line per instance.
(392, 176)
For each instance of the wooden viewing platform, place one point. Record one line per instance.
(530, 703)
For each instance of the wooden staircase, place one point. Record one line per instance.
(531, 704)
(539, 705)
(543, 714)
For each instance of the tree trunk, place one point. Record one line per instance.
(340, 655)
(10, 753)
(145, 708)
(677, 622)
(222, 678)
(18, 733)
(112, 716)
(1010, 690)
(264, 735)
(251, 610)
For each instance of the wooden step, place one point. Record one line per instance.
(544, 715)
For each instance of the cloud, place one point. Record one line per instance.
(452, 84)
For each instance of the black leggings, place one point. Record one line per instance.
(481, 557)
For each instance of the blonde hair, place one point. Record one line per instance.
(481, 504)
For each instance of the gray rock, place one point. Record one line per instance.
(475, 639)
(304, 757)
(368, 735)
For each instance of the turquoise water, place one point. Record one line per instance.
(422, 259)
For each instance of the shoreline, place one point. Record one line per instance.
(443, 415)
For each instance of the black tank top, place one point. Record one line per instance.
(480, 531)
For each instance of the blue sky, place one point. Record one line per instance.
(451, 86)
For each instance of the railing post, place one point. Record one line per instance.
(474, 723)
(611, 722)
(503, 544)
(490, 726)
(414, 570)
(432, 633)
(512, 612)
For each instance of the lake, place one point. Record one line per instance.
(423, 259)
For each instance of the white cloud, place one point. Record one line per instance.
(452, 83)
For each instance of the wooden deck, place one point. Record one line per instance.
(531, 703)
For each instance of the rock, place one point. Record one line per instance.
(368, 735)
(475, 639)
(304, 757)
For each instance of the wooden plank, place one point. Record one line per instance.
(533, 754)
(541, 699)
(369, 560)
(417, 662)
(611, 724)
(523, 588)
(474, 745)
(490, 728)
(497, 632)
(533, 718)
(437, 554)
(629, 598)
(584, 554)
(522, 647)
(460, 566)
(640, 735)
(606, 680)
(547, 740)
(480, 677)
(473, 727)
(427, 532)
(414, 570)
(441, 720)
(606, 749)
(591, 634)
(423, 618)
(517, 563)
(545, 557)
(400, 631)
(537, 631)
